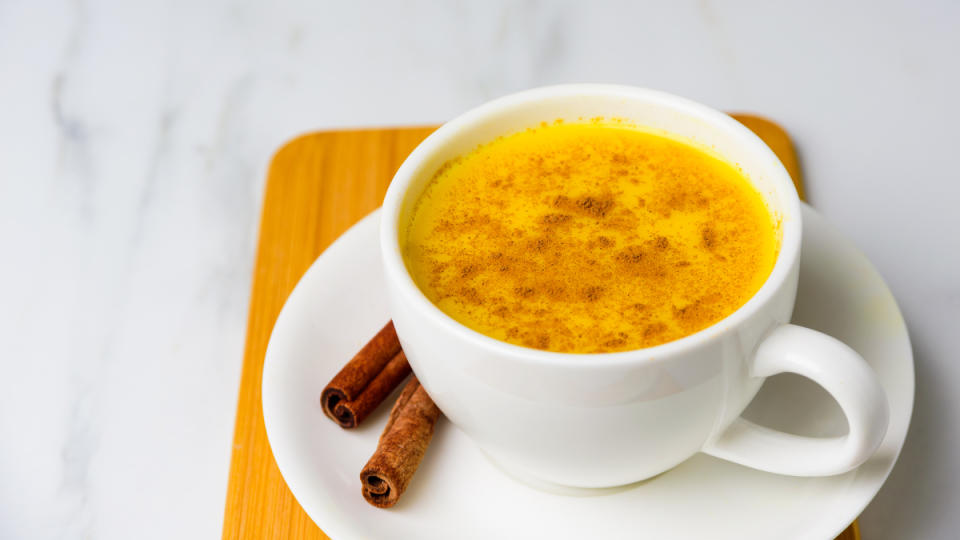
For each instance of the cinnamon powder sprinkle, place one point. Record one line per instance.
(589, 238)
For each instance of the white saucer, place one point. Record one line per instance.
(457, 493)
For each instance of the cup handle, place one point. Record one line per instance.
(838, 369)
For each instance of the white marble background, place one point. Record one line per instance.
(134, 137)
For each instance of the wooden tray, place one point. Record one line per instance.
(318, 185)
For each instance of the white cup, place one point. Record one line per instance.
(598, 420)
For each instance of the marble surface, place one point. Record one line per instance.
(134, 137)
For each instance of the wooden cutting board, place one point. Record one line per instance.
(318, 185)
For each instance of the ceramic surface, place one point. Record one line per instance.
(459, 493)
(602, 420)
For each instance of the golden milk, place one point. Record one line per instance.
(589, 237)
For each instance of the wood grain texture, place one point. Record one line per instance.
(778, 141)
(318, 185)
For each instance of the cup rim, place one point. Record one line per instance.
(397, 274)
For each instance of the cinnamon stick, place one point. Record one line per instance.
(366, 380)
(401, 447)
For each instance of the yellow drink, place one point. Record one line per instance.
(589, 237)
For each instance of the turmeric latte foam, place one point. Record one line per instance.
(588, 238)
